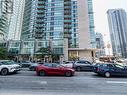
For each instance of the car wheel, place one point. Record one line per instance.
(42, 73)
(78, 69)
(4, 72)
(107, 74)
(68, 74)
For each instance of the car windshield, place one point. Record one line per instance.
(97, 64)
(8, 62)
(102, 65)
(57, 65)
(60, 66)
(25, 61)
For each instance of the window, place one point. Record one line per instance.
(52, 14)
(52, 18)
(48, 65)
(79, 62)
(110, 66)
(86, 62)
(103, 65)
(39, 43)
(52, 9)
(54, 65)
(51, 23)
(119, 66)
(51, 28)
(8, 62)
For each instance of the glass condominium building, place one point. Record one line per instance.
(52, 21)
(117, 19)
(45, 19)
(16, 20)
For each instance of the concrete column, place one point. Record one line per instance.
(93, 55)
(83, 24)
(65, 49)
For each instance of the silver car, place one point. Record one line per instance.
(83, 65)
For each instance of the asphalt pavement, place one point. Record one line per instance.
(26, 82)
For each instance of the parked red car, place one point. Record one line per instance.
(54, 69)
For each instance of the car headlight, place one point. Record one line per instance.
(12, 68)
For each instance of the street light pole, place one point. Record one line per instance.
(50, 49)
(109, 47)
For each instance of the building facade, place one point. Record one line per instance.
(60, 22)
(28, 49)
(5, 14)
(16, 20)
(3, 27)
(91, 24)
(100, 45)
(117, 19)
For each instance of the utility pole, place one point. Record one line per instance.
(50, 49)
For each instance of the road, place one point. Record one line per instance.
(83, 83)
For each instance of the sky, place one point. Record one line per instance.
(100, 15)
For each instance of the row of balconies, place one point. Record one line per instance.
(67, 9)
(67, 18)
(42, 27)
(68, 23)
(67, 13)
(41, 3)
(40, 18)
(41, 22)
(40, 13)
(42, 0)
(41, 8)
(67, 0)
(67, 4)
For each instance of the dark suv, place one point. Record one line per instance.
(83, 65)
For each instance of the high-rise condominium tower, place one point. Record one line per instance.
(5, 15)
(57, 20)
(100, 45)
(44, 19)
(16, 20)
(118, 31)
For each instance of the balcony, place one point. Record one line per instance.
(67, 18)
(40, 13)
(67, 27)
(67, 34)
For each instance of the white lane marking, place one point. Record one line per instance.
(40, 82)
(43, 82)
(75, 77)
(117, 82)
(16, 76)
